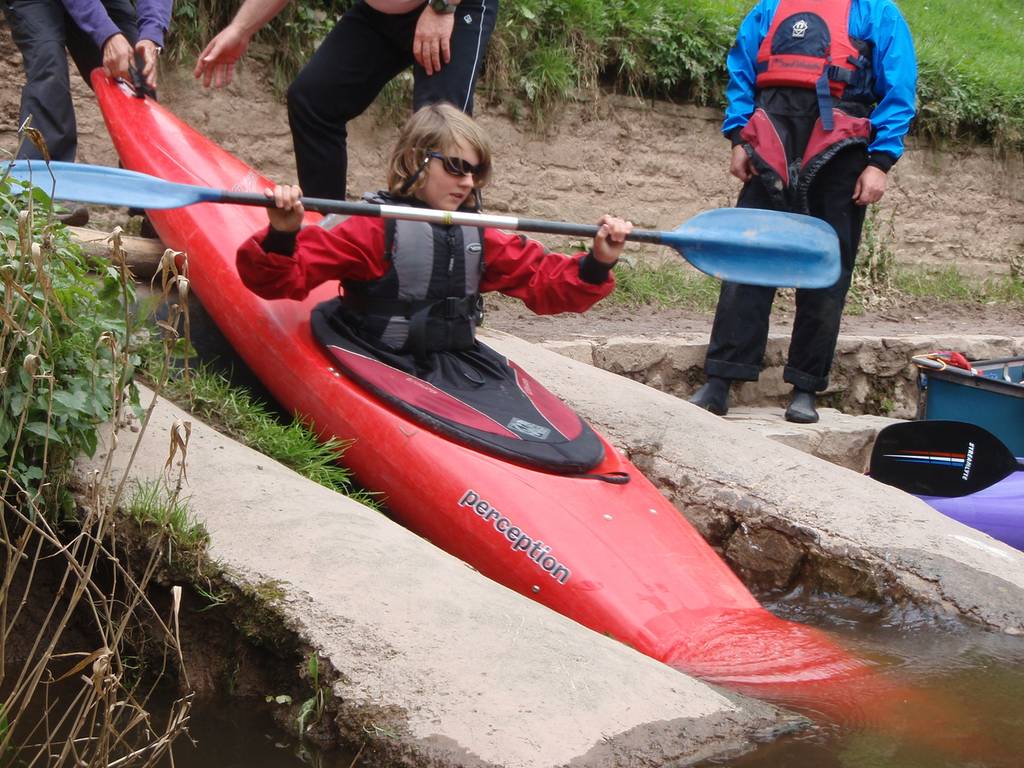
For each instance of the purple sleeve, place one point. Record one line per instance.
(93, 19)
(154, 18)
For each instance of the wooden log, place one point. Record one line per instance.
(142, 254)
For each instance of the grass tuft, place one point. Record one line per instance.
(949, 284)
(878, 283)
(152, 503)
(234, 411)
(667, 284)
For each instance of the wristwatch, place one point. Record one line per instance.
(443, 6)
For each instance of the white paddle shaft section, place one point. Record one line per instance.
(461, 218)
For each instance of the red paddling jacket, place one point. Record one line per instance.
(413, 287)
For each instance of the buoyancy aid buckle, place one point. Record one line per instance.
(840, 74)
(458, 306)
(824, 91)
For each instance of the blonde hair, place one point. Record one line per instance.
(434, 128)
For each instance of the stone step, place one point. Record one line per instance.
(783, 518)
(870, 374)
(450, 668)
(837, 437)
(872, 384)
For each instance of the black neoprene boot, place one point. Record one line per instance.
(801, 408)
(713, 396)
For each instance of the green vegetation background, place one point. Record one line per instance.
(548, 51)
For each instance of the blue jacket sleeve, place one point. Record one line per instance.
(93, 19)
(742, 65)
(895, 67)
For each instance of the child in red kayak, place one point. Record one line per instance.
(412, 289)
(404, 325)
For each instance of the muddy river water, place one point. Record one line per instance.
(977, 677)
(974, 679)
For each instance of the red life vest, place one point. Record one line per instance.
(808, 46)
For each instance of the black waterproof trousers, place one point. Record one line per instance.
(45, 34)
(364, 51)
(740, 331)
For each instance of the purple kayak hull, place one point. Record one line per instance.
(997, 510)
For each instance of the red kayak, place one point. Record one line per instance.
(612, 555)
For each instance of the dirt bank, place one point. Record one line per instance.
(658, 163)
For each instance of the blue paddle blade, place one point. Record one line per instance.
(759, 247)
(108, 186)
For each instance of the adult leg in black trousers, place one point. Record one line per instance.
(45, 33)
(361, 54)
(39, 30)
(456, 82)
(740, 332)
(819, 311)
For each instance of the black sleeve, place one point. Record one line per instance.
(279, 242)
(881, 160)
(593, 271)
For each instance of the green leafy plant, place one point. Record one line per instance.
(312, 709)
(66, 357)
(66, 364)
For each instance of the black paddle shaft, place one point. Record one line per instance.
(374, 210)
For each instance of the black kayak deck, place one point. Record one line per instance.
(475, 397)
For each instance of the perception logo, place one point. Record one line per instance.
(534, 549)
(528, 428)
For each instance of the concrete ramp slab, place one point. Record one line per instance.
(459, 669)
(746, 492)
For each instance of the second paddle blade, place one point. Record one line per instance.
(940, 458)
(767, 248)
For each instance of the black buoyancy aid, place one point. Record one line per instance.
(429, 299)
(808, 45)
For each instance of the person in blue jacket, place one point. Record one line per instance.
(821, 95)
(107, 33)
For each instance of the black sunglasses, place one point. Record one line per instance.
(456, 166)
